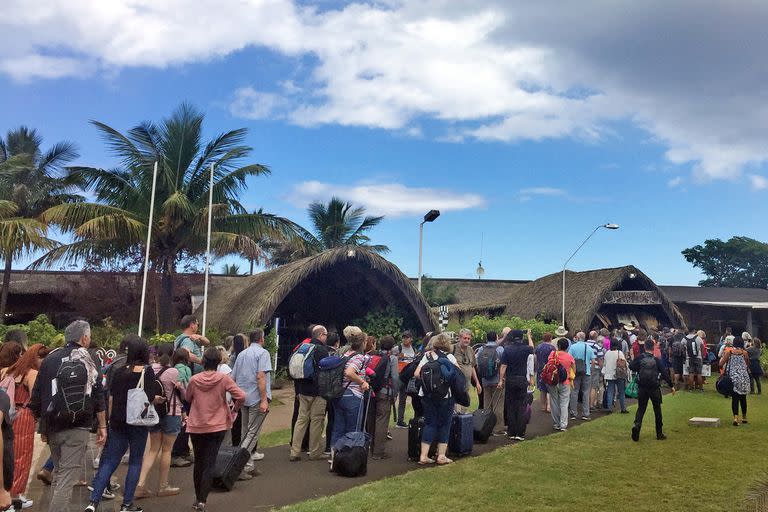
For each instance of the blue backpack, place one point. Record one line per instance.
(302, 362)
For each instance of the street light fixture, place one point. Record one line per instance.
(606, 226)
(429, 217)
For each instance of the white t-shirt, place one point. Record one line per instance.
(224, 368)
(424, 361)
(609, 365)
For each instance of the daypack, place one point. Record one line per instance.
(330, 377)
(581, 364)
(553, 372)
(678, 349)
(621, 368)
(379, 363)
(301, 365)
(70, 404)
(690, 345)
(164, 408)
(139, 411)
(435, 378)
(648, 376)
(8, 384)
(488, 362)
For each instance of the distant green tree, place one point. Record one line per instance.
(231, 269)
(437, 295)
(741, 262)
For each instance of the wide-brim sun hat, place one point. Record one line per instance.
(561, 331)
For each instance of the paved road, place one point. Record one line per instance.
(283, 482)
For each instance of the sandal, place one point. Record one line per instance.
(444, 462)
(426, 462)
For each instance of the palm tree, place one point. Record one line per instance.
(31, 181)
(116, 224)
(231, 269)
(335, 224)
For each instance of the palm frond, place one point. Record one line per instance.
(71, 216)
(54, 159)
(122, 147)
(113, 227)
(224, 244)
(20, 235)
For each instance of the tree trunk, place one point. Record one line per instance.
(165, 306)
(6, 288)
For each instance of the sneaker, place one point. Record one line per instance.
(635, 433)
(585, 418)
(327, 453)
(167, 490)
(257, 456)
(292, 458)
(499, 434)
(661, 437)
(573, 417)
(107, 494)
(96, 463)
(131, 508)
(400, 424)
(625, 411)
(520, 438)
(180, 462)
(244, 476)
(91, 507)
(199, 507)
(389, 436)
(25, 502)
(141, 492)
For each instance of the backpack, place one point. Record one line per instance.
(330, 377)
(581, 364)
(621, 368)
(434, 379)
(70, 404)
(488, 362)
(690, 345)
(553, 372)
(678, 349)
(8, 384)
(379, 363)
(164, 408)
(301, 365)
(648, 376)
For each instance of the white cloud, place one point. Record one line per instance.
(543, 191)
(689, 72)
(390, 199)
(758, 182)
(675, 182)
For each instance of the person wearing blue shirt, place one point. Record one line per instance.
(488, 363)
(583, 355)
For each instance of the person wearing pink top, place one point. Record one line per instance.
(209, 419)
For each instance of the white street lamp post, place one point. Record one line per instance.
(606, 226)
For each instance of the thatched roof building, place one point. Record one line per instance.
(332, 288)
(593, 298)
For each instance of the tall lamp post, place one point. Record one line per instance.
(606, 226)
(429, 217)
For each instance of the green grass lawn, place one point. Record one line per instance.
(594, 466)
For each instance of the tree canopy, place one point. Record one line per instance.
(740, 262)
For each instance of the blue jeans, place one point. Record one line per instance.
(346, 415)
(48, 465)
(618, 386)
(437, 419)
(133, 438)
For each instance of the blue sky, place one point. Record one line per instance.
(526, 138)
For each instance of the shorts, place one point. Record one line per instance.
(170, 425)
(677, 365)
(597, 377)
(694, 366)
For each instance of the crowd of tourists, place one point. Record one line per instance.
(184, 403)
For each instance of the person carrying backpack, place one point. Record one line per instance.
(583, 355)
(467, 362)
(513, 377)
(648, 370)
(127, 429)
(559, 388)
(346, 408)
(488, 366)
(616, 373)
(384, 397)
(67, 415)
(406, 352)
(435, 372)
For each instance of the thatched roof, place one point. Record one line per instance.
(585, 292)
(347, 275)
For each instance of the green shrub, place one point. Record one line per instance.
(382, 322)
(39, 330)
(159, 339)
(480, 326)
(270, 343)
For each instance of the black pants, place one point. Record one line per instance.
(755, 382)
(654, 395)
(515, 393)
(737, 399)
(328, 426)
(237, 430)
(206, 447)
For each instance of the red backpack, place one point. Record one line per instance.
(553, 372)
(378, 362)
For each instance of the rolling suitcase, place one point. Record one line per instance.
(229, 464)
(350, 456)
(415, 426)
(461, 438)
(484, 421)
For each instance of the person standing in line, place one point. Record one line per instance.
(384, 400)
(346, 408)
(736, 364)
(6, 449)
(648, 369)
(488, 368)
(295, 416)
(163, 435)
(209, 419)
(405, 353)
(467, 361)
(560, 394)
(238, 345)
(23, 373)
(596, 371)
(252, 374)
(311, 404)
(513, 378)
(693, 350)
(583, 355)
(755, 350)
(67, 436)
(123, 436)
(545, 348)
(615, 373)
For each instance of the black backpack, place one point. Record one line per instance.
(71, 405)
(164, 408)
(648, 376)
(678, 349)
(330, 376)
(690, 343)
(488, 362)
(379, 363)
(433, 381)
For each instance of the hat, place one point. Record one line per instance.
(746, 336)
(628, 327)
(516, 334)
(729, 339)
(561, 331)
(351, 330)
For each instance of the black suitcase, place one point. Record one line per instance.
(415, 428)
(229, 464)
(351, 461)
(483, 420)
(461, 438)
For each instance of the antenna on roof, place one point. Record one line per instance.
(480, 270)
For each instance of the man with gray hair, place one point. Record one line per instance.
(597, 369)
(251, 373)
(583, 355)
(66, 396)
(467, 361)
